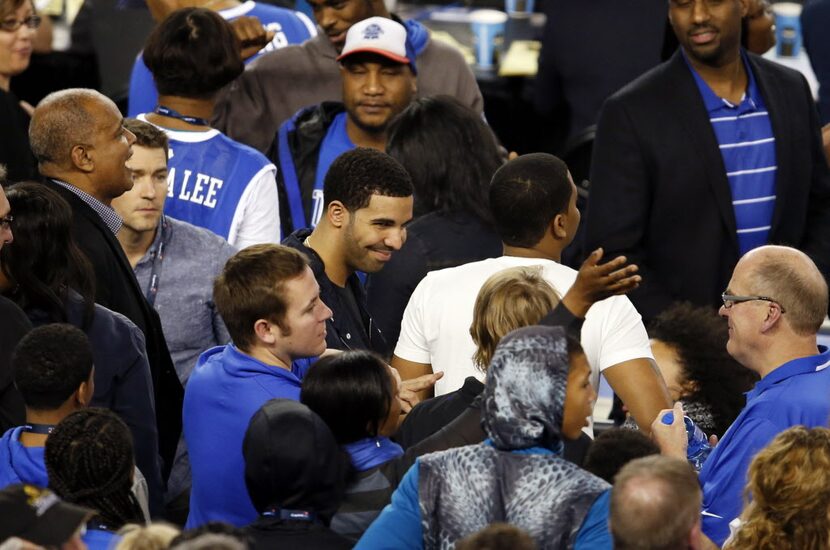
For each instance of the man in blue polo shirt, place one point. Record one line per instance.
(774, 306)
(270, 302)
(705, 157)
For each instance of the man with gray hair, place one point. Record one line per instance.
(774, 305)
(81, 145)
(655, 505)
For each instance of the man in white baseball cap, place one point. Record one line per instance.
(377, 68)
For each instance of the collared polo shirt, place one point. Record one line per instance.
(796, 393)
(747, 145)
(111, 218)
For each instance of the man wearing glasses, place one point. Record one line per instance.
(774, 306)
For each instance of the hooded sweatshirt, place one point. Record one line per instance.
(19, 464)
(296, 474)
(516, 476)
(224, 391)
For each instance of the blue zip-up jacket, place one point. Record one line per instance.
(19, 464)
(224, 391)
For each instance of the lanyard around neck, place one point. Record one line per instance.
(168, 112)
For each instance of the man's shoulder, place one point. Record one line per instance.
(652, 84)
(766, 68)
(242, 151)
(192, 237)
(298, 59)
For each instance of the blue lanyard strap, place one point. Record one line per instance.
(167, 111)
(158, 258)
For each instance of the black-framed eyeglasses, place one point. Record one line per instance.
(11, 25)
(6, 222)
(730, 300)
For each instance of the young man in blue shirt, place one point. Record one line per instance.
(774, 305)
(53, 371)
(270, 302)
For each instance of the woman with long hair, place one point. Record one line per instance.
(451, 154)
(788, 494)
(51, 280)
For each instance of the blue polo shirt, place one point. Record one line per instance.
(796, 393)
(747, 146)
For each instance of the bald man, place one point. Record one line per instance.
(82, 147)
(774, 305)
(644, 490)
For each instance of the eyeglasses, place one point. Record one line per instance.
(730, 300)
(6, 222)
(11, 25)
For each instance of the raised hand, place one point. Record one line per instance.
(595, 282)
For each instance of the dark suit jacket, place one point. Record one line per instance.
(659, 192)
(117, 289)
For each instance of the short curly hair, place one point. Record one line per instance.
(699, 337)
(358, 174)
(49, 365)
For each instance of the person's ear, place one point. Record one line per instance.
(83, 395)
(265, 331)
(558, 227)
(82, 158)
(773, 316)
(744, 8)
(337, 214)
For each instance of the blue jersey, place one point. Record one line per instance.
(334, 144)
(291, 27)
(208, 175)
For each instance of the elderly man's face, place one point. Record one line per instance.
(111, 148)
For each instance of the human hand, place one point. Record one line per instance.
(408, 389)
(596, 282)
(251, 35)
(671, 438)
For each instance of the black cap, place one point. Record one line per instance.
(292, 460)
(38, 515)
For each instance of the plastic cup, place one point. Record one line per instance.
(787, 28)
(519, 8)
(488, 29)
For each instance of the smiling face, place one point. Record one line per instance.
(579, 397)
(375, 90)
(745, 319)
(15, 47)
(372, 234)
(141, 206)
(335, 17)
(708, 30)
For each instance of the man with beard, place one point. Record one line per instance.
(705, 157)
(377, 69)
(368, 202)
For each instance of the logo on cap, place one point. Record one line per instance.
(372, 32)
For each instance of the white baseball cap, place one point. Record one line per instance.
(381, 36)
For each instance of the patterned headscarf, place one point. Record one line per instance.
(524, 397)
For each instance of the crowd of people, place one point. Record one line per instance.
(303, 298)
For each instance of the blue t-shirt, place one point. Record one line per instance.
(96, 539)
(19, 464)
(291, 27)
(208, 174)
(225, 390)
(796, 393)
(335, 143)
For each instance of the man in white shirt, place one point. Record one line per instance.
(533, 199)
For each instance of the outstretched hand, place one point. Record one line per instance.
(595, 282)
(251, 35)
(408, 389)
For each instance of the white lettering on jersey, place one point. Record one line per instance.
(279, 40)
(316, 206)
(204, 188)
